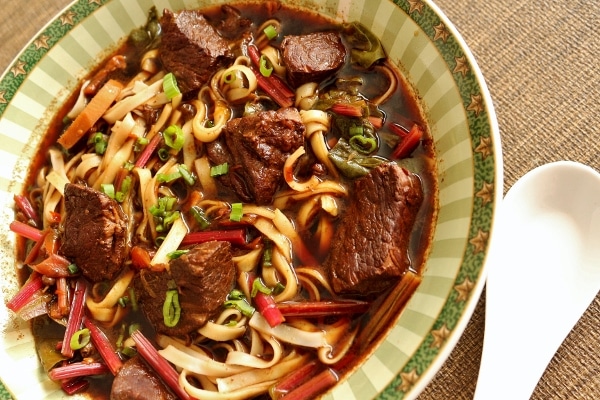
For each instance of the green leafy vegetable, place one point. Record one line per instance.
(351, 163)
(366, 49)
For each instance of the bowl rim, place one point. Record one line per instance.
(457, 331)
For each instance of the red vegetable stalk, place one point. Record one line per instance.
(62, 294)
(148, 150)
(409, 141)
(159, 364)
(294, 380)
(33, 284)
(54, 266)
(78, 369)
(27, 231)
(27, 208)
(73, 386)
(347, 109)
(267, 307)
(235, 236)
(272, 85)
(322, 308)
(311, 388)
(75, 317)
(104, 347)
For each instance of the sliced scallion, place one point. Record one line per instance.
(236, 212)
(171, 308)
(362, 144)
(168, 177)
(219, 170)
(200, 217)
(108, 189)
(173, 136)
(186, 174)
(270, 32)
(170, 86)
(80, 339)
(176, 254)
(265, 66)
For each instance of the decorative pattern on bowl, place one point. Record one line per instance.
(439, 65)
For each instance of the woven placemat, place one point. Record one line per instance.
(540, 60)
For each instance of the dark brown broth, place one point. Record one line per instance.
(404, 104)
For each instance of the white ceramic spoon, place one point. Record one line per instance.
(544, 272)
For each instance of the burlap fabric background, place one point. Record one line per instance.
(541, 62)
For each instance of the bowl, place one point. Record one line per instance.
(459, 110)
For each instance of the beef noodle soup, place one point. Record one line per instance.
(236, 203)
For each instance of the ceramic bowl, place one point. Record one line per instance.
(438, 64)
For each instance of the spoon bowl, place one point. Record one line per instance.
(543, 272)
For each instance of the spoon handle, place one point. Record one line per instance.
(543, 272)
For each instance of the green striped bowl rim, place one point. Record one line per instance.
(459, 109)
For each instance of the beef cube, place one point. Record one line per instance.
(191, 48)
(256, 147)
(369, 252)
(137, 381)
(233, 25)
(95, 233)
(204, 277)
(312, 57)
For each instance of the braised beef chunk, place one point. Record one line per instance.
(370, 249)
(203, 277)
(312, 57)
(137, 381)
(256, 147)
(233, 25)
(95, 232)
(191, 48)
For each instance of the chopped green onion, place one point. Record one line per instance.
(186, 174)
(73, 269)
(236, 294)
(266, 257)
(259, 286)
(362, 144)
(219, 170)
(200, 217)
(236, 212)
(229, 77)
(163, 154)
(173, 136)
(159, 240)
(80, 339)
(123, 301)
(125, 186)
(171, 217)
(100, 143)
(176, 254)
(265, 66)
(160, 178)
(142, 141)
(279, 288)
(171, 308)
(356, 130)
(133, 301)
(129, 351)
(270, 32)
(108, 189)
(129, 166)
(170, 86)
(133, 327)
(241, 305)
